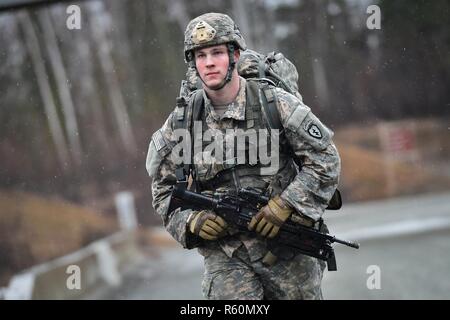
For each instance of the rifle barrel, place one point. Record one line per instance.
(347, 243)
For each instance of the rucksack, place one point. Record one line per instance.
(273, 68)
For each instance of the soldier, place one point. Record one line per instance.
(238, 264)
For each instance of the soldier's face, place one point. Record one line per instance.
(212, 64)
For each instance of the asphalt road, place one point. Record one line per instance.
(404, 254)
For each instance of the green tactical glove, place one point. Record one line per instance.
(207, 225)
(271, 217)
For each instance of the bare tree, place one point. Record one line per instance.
(81, 66)
(34, 50)
(178, 12)
(99, 19)
(241, 16)
(65, 96)
(124, 56)
(317, 42)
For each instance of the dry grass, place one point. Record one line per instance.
(364, 169)
(364, 176)
(34, 230)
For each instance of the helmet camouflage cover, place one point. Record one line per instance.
(211, 29)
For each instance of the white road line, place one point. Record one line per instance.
(400, 228)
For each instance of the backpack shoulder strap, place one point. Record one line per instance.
(269, 102)
(187, 111)
(185, 114)
(197, 105)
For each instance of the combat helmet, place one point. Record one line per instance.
(212, 29)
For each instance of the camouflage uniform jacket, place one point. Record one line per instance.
(308, 190)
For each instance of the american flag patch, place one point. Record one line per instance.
(158, 140)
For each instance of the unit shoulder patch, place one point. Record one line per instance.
(314, 131)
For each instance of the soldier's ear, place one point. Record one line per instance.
(237, 54)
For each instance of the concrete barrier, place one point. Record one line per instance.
(79, 274)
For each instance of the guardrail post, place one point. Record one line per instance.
(126, 210)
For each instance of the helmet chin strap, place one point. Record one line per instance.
(230, 69)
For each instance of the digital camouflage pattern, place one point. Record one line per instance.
(307, 191)
(226, 278)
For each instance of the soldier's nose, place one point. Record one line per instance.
(209, 61)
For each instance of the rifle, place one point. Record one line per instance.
(238, 210)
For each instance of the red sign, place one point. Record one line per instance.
(400, 140)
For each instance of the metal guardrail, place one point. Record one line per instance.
(100, 264)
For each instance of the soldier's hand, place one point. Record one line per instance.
(270, 218)
(207, 225)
